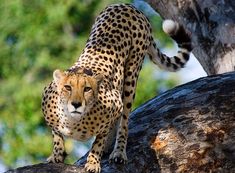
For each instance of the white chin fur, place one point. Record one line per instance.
(76, 115)
(170, 27)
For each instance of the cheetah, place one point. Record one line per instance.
(98, 90)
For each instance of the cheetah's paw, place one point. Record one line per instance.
(92, 168)
(55, 159)
(118, 157)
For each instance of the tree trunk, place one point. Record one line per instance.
(190, 128)
(212, 26)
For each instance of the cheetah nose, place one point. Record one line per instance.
(76, 104)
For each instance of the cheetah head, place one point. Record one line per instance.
(78, 91)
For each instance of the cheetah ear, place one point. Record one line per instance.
(99, 78)
(58, 75)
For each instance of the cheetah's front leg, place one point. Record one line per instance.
(58, 154)
(94, 157)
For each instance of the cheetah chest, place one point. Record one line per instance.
(86, 127)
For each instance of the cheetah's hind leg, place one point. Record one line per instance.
(118, 155)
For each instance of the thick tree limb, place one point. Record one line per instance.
(212, 26)
(188, 129)
(48, 168)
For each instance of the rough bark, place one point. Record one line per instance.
(212, 26)
(48, 168)
(190, 128)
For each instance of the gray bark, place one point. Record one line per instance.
(212, 27)
(190, 128)
(47, 168)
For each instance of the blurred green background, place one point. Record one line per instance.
(36, 37)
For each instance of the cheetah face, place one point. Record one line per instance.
(77, 92)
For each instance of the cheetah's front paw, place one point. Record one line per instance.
(56, 159)
(118, 157)
(92, 168)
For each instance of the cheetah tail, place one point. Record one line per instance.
(178, 33)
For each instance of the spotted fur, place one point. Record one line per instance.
(98, 90)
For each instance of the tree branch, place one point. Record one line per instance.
(190, 128)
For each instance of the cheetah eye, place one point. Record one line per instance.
(87, 89)
(68, 87)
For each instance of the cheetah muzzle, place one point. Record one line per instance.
(98, 90)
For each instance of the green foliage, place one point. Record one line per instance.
(38, 36)
(152, 82)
